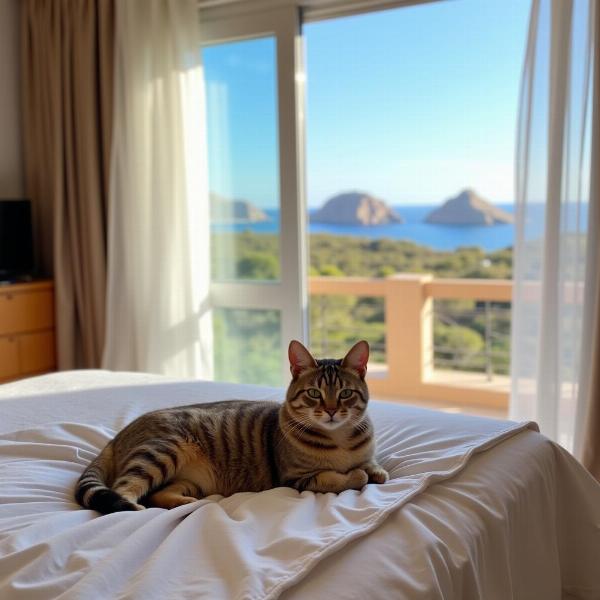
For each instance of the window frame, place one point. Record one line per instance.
(289, 294)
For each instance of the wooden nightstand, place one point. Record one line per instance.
(26, 330)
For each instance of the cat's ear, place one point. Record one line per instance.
(300, 359)
(357, 358)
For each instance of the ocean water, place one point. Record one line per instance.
(414, 229)
(439, 237)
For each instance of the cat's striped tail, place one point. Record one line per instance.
(92, 490)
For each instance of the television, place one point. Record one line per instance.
(16, 240)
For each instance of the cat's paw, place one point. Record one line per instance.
(357, 479)
(127, 505)
(181, 500)
(377, 474)
(166, 500)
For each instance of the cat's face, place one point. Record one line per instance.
(328, 393)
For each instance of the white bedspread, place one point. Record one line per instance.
(475, 508)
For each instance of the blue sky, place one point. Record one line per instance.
(411, 105)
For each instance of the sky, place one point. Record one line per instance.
(411, 105)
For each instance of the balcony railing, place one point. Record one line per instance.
(410, 368)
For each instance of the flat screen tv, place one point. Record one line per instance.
(16, 240)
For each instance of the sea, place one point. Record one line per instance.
(414, 229)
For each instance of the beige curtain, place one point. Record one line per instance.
(591, 447)
(67, 70)
(590, 389)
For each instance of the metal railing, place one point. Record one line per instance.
(487, 323)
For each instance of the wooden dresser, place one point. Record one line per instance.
(26, 330)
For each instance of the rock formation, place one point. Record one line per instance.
(356, 208)
(224, 210)
(468, 208)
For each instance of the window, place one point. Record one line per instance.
(257, 277)
(393, 113)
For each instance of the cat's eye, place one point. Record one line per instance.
(314, 393)
(346, 393)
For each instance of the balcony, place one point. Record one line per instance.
(411, 369)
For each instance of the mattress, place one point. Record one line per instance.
(475, 508)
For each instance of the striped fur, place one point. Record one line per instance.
(319, 439)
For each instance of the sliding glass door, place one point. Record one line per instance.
(251, 67)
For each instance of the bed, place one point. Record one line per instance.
(475, 508)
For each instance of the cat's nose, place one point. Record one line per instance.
(331, 411)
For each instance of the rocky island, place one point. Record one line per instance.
(356, 208)
(468, 208)
(224, 210)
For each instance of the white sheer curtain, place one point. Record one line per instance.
(158, 264)
(553, 194)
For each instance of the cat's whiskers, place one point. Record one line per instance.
(361, 423)
(299, 426)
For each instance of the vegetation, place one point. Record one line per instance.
(336, 322)
(383, 257)
(255, 256)
(252, 353)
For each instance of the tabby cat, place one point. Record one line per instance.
(319, 439)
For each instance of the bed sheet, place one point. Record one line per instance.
(476, 508)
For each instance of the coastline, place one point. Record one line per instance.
(414, 229)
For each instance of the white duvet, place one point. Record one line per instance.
(475, 508)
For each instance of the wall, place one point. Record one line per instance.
(11, 148)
